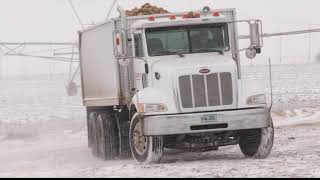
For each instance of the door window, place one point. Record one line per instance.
(138, 45)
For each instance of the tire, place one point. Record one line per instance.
(144, 149)
(124, 128)
(108, 136)
(91, 118)
(257, 143)
(94, 136)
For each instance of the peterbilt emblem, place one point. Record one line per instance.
(204, 71)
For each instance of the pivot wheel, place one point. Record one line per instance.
(257, 143)
(146, 149)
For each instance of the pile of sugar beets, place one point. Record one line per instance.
(146, 9)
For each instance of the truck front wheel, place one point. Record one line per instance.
(146, 149)
(257, 143)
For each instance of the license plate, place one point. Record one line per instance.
(208, 117)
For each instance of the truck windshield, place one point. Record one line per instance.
(187, 39)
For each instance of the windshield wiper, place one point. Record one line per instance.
(180, 54)
(220, 51)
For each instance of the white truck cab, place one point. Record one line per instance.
(172, 81)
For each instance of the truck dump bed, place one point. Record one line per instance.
(99, 67)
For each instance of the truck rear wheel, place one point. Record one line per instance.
(92, 116)
(146, 149)
(107, 133)
(93, 134)
(257, 143)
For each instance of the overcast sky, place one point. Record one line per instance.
(53, 20)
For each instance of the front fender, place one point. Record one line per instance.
(156, 96)
(251, 87)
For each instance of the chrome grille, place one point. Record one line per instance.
(206, 90)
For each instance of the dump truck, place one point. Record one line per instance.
(157, 82)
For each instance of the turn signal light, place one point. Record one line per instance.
(152, 108)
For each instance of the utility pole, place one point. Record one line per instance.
(310, 42)
(280, 49)
(309, 45)
(1, 68)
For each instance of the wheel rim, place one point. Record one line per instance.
(139, 140)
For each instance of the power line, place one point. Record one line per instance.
(61, 59)
(48, 50)
(0, 63)
(39, 43)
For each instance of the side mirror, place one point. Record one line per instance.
(255, 34)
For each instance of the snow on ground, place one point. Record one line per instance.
(295, 86)
(43, 134)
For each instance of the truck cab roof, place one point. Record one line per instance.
(178, 21)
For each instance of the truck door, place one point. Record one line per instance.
(139, 71)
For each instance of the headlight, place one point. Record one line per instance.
(151, 108)
(257, 99)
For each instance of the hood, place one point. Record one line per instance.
(174, 68)
(192, 63)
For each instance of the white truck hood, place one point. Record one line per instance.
(192, 63)
(171, 68)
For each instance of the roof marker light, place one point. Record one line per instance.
(197, 15)
(186, 16)
(173, 17)
(191, 15)
(216, 14)
(152, 18)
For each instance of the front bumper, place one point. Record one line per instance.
(241, 119)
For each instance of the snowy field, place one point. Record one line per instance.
(43, 134)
